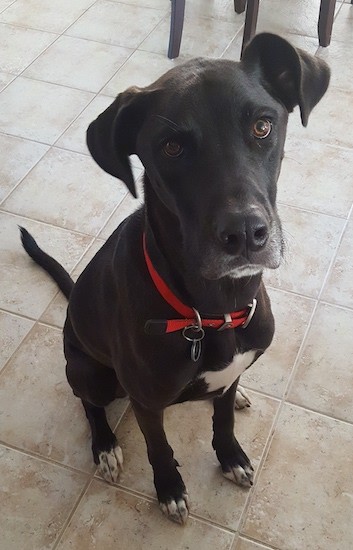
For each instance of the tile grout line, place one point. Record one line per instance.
(46, 459)
(318, 300)
(92, 477)
(4, 199)
(42, 222)
(23, 26)
(137, 180)
(2, 11)
(153, 500)
(263, 545)
(75, 506)
(59, 35)
(326, 416)
(232, 41)
(284, 399)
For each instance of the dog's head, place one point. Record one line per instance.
(210, 134)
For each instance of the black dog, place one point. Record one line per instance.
(173, 308)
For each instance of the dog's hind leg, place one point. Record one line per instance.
(235, 464)
(97, 386)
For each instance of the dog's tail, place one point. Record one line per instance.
(51, 266)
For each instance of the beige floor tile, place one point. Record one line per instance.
(55, 314)
(219, 34)
(25, 288)
(12, 331)
(78, 63)
(39, 110)
(125, 208)
(299, 17)
(114, 23)
(20, 47)
(311, 240)
(305, 42)
(45, 14)
(211, 495)
(5, 4)
(17, 158)
(339, 286)
(317, 177)
(330, 122)
(110, 518)
(271, 372)
(74, 139)
(37, 498)
(46, 418)
(342, 28)
(217, 9)
(246, 544)
(325, 369)
(156, 4)
(304, 493)
(81, 197)
(5, 79)
(141, 69)
(336, 57)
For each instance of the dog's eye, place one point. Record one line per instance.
(172, 149)
(262, 128)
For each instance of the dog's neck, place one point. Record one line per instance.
(165, 247)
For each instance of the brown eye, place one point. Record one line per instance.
(172, 149)
(262, 128)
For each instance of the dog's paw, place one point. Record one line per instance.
(242, 399)
(176, 510)
(235, 464)
(111, 463)
(243, 476)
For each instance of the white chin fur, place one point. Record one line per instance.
(245, 271)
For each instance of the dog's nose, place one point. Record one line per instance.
(238, 232)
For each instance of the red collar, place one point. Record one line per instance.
(191, 317)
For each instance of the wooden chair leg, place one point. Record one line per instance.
(252, 12)
(239, 5)
(324, 26)
(176, 28)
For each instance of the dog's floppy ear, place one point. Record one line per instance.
(111, 138)
(290, 74)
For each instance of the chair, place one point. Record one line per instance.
(325, 22)
(176, 27)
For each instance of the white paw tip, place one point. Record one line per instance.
(111, 464)
(242, 399)
(241, 476)
(177, 511)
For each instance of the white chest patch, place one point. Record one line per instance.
(224, 378)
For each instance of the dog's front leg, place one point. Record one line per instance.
(235, 464)
(171, 491)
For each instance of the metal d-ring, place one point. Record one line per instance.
(199, 333)
(196, 328)
(252, 307)
(198, 319)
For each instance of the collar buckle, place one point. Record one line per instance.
(228, 322)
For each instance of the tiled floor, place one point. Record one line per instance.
(60, 65)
